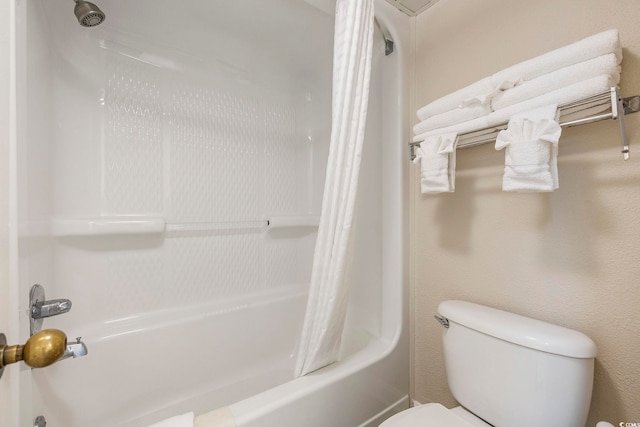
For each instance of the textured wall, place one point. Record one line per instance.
(569, 257)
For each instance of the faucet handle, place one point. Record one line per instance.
(42, 349)
(42, 309)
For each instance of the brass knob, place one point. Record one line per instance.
(42, 349)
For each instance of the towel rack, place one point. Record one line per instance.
(611, 99)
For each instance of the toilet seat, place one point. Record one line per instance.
(429, 415)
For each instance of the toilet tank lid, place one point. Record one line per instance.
(520, 330)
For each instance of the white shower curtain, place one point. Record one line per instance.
(328, 294)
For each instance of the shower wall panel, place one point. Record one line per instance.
(215, 158)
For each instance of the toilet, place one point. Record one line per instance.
(507, 370)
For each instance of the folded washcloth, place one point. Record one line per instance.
(565, 95)
(452, 117)
(456, 99)
(437, 157)
(184, 420)
(602, 65)
(531, 141)
(583, 50)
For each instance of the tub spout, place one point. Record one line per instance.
(76, 349)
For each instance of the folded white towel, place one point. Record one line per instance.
(487, 98)
(470, 126)
(585, 49)
(601, 65)
(456, 99)
(452, 117)
(564, 95)
(531, 141)
(437, 158)
(502, 82)
(184, 420)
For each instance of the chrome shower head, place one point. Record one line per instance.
(88, 14)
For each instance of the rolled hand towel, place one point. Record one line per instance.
(437, 158)
(452, 117)
(184, 420)
(601, 65)
(456, 99)
(585, 49)
(531, 142)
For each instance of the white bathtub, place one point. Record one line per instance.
(152, 152)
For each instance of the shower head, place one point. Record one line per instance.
(88, 14)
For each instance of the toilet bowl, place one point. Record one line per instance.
(524, 366)
(434, 415)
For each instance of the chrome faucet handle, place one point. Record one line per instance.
(42, 309)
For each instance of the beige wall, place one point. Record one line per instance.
(571, 257)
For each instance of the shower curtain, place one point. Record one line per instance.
(329, 290)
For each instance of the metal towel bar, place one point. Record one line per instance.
(616, 104)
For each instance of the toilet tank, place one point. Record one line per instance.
(513, 371)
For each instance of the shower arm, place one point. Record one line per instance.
(389, 45)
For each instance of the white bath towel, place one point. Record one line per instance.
(460, 128)
(452, 117)
(184, 420)
(456, 99)
(564, 95)
(437, 158)
(487, 98)
(601, 65)
(583, 50)
(531, 142)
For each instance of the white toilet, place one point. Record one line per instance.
(508, 370)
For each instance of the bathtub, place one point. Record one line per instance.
(170, 165)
